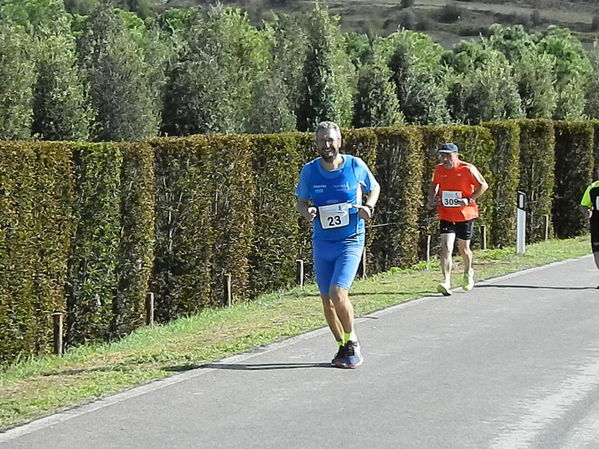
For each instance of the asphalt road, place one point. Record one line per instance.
(512, 364)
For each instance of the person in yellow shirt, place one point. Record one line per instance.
(590, 201)
(454, 190)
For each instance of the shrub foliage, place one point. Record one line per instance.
(90, 229)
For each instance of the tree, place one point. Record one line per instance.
(288, 51)
(484, 87)
(123, 76)
(82, 7)
(534, 71)
(329, 76)
(376, 101)
(60, 110)
(271, 112)
(17, 73)
(592, 93)
(415, 63)
(211, 87)
(143, 8)
(572, 71)
(536, 84)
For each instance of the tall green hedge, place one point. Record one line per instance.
(574, 160)
(136, 246)
(183, 227)
(306, 151)
(537, 177)
(54, 228)
(362, 143)
(595, 125)
(277, 230)
(505, 167)
(35, 229)
(233, 203)
(90, 228)
(94, 255)
(204, 221)
(399, 168)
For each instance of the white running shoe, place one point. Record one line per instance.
(444, 288)
(469, 280)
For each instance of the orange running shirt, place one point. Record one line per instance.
(455, 183)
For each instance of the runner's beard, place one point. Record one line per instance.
(329, 158)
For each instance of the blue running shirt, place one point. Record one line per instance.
(333, 193)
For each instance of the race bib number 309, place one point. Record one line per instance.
(451, 198)
(334, 215)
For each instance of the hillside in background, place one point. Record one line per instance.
(447, 22)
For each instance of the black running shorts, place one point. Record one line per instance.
(595, 235)
(462, 229)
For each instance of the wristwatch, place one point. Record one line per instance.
(371, 208)
(470, 200)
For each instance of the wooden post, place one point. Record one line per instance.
(228, 295)
(299, 273)
(428, 252)
(362, 266)
(57, 320)
(546, 226)
(483, 237)
(150, 309)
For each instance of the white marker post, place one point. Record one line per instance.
(521, 223)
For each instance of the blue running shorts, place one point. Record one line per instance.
(336, 262)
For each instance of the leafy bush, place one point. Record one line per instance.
(574, 160)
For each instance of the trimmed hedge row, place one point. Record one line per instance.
(36, 189)
(537, 176)
(399, 165)
(277, 229)
(89, 229)
(205, 191)
(505, 169)
(94, 250)
(574, 160)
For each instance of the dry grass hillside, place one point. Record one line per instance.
(446, 21)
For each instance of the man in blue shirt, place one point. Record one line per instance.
(330, 196)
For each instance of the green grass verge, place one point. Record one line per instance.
(33, 388)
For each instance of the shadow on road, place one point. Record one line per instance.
(546, 287)
(399, 292)
(264, 366)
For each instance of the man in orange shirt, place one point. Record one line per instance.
(456, 186)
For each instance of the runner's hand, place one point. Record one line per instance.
(310, 214)
(363, 212)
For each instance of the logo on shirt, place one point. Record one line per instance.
(341, 187)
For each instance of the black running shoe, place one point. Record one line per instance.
(340, 360)
(354, 355)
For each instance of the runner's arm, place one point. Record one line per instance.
(482, 184)
(431, 201)
(305, 210)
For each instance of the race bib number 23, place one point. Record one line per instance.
(334, 215)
